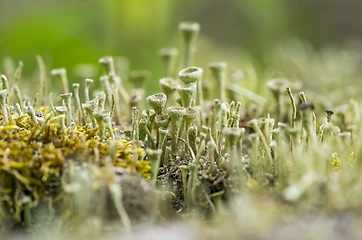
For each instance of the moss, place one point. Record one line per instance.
(34, 155)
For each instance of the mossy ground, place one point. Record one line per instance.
(228, 162)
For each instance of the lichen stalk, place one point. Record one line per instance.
(60, 74)
(88, 82)
(90, 107)
(51, 104)
(18, 95)
(194, 74)
(3, 95)
(194, 172)
(67, 100)
(31, 112)
(303, 98)
(154, 156)
(188, 119)
(36, 99)
(211, 150)
(101, 96)
(231, 114)
(42, 79)
(239, 146)
(107, 64)
(237, 115)
(231, 137)
(116, 194)
(176, 114)
(307, 121)
(113, 106)
(254, 124)
(168, 56)
(145, 131)
(60, 113)
(168, 87)
(108, 125)
(190, 183)
(135, 128)
(17, 74)
(189, 32)
(218, 72)
(101, 117)
(107, 89)
(18, 109)
(162, 132)
(192, 138)
(184, 174)
(77, 99)
(276, 86)
(45, 124)
(294, 137)
(162, 121)
(294, 108)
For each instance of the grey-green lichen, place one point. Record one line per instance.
(195, 154)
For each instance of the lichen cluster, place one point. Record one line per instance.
(201, 145)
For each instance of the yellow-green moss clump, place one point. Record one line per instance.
(38, 152)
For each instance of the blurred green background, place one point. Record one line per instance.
(264, 34)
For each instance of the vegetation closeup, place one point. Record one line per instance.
(90, 162)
